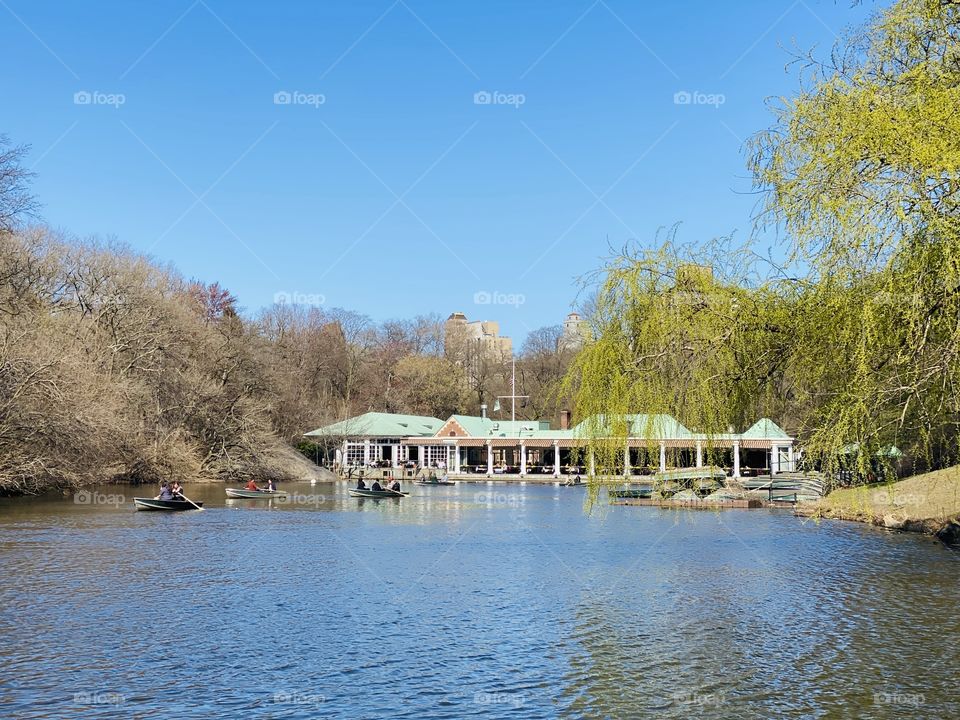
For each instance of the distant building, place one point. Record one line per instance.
(479, 338)
(574, 333)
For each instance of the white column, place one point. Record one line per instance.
(775, 459)
(592, 466)
(556, 458)
(626, 460)
(699, 454)
(422, 454)
(523, 459)
(456, 458)
(736, 459)
(366, 451)
(790, 461)
(663, 457)
(396, 456)
(343, 458)
(489, 459)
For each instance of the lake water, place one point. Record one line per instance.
(466, 601)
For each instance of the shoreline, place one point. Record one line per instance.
(947, 530)
(928, 504)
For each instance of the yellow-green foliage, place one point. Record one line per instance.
(857, 340)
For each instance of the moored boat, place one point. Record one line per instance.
(254, 494)
(167, 505)
(632, 493)
(436, 482)
(355, 492)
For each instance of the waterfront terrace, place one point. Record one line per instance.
(465, 445)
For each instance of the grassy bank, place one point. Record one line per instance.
(928, 503)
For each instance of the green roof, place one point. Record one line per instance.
(489, 427)
(888, 451)
(374, 424)
(657, 426)
(765, 429)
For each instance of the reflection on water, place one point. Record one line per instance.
(466, 601)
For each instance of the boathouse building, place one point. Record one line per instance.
(470, 445)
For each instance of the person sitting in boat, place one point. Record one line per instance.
(251, 486)
(361, 485)
(271, 485)
(376, 486)
(396, 486)
(177, 490)
(165, 493)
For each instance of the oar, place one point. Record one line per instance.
(190, 501)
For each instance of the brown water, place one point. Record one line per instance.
(466, 601)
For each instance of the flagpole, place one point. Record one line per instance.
(513, 392)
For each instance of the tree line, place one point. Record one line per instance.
(116, 368)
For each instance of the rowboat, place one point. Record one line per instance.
(254, 494)
(167, 505)
(643, 492)
(355, 492)
(571, 483)
(435, 482)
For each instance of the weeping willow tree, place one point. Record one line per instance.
(855, 345)
(861, 172)
(692, 332)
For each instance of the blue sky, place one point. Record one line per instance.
(386, 184)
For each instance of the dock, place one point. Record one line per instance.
(744, 504)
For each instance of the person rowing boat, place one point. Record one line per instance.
(165, 492)
(252, 486)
